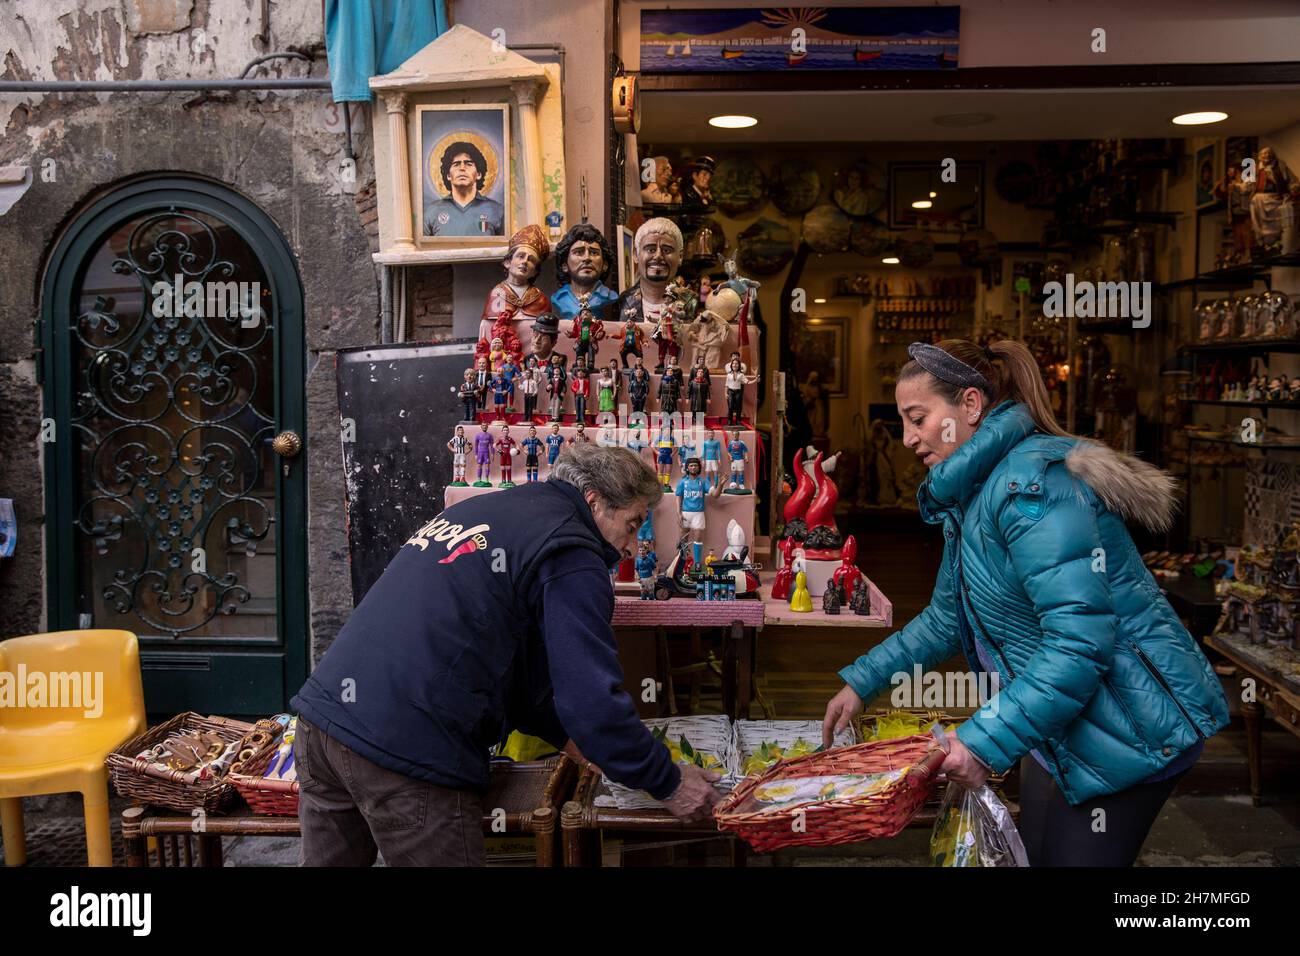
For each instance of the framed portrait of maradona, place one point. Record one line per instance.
(464, 173)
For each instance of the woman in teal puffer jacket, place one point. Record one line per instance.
(1104, 694)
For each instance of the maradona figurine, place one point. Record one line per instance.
(532, 446)
(712, 452)
(691, 492)
(554, 445)
(508, 448)
(646, 566)
(557, 380)
(664, 448)
(530, 383)
(483, 455)
(459, 448)
(738, 452)
(583, 260)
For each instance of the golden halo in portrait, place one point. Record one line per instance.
(462, 136)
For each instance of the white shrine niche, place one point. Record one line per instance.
(464, 87)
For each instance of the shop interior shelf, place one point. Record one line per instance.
(1289, 346)
(1236, 277)
(1264, 405)
(1261, 445)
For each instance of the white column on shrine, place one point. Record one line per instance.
(401, 175)
(526, 93)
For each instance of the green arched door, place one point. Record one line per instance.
(172, 331)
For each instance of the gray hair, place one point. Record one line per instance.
(659, 226)
(619, 476)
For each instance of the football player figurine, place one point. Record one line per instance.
(664, 447)
(459, 448)
(508, 448)
(712, 452)
(638, 386)
(500, 389)
(557, 380)
(530, 383)
(691, 492)
(554, 445)
(532, 448)
(738, 452)
(646, 566)
(581, 388)
(468, 394)
(509, 371)
(483, 455)
(637, 441)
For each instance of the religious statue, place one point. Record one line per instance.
(517, 298)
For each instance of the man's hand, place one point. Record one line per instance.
(694, 798)
(572, 751)
(841, 709)
(961, 766)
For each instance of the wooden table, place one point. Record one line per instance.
(530, 792)
(1276, 672)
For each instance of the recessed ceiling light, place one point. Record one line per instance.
(820, 301)
(733, 122)
(1199, 119)
(933, 194)
(964, 119)
(890, 260)
(922, 204)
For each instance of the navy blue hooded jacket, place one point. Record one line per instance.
(494, 615)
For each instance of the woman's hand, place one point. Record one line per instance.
(961, 766)
(842, 708)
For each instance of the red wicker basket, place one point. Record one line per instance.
(883, 813)
(277, 798)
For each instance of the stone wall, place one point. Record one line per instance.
(275, 149)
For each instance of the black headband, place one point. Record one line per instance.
(947, 367)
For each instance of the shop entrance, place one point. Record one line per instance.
(173, 387)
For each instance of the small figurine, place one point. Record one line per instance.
(736, 382)
(677, 313)
(530, 383)
(738, 452)
(637, 441)
(1236, 197)
(861, 600)
(581, 388)
(847, 575)
(532, 446)
(587, 330)
(554, 444)
(1295, 389)
(497, 354)
(556, 383)
(646, 567)
(708, 333)
(500, 390)
(801, 599)
(546, 329)
(1271, 189)
(1275, 390)
(482, 381)
(784, 581)
(699, 388)
(459, 448)
(607, 387)
(697, 194)
(483, 455)
(606, 438)
(580, 436)
(691, 492)
(747, 289)
(631, 341)
(670, 388)
(665, 445)
(830, 601)
(709, 559)
(712, 452)
(638, 386)
(508, 449)
(468, 394)
(686, 448)
(510, 371)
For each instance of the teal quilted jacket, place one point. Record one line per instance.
(1096, 671)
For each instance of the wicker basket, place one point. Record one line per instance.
(277, 798)
(832, 822)
(137, 780)
(752, 734)
(709, 733)
(866, 723)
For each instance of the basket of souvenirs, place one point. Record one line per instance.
(264, 772)
(844, 795)
(181, 764)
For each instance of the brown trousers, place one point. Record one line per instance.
(350, 808)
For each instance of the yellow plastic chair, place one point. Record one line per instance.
(57, 742)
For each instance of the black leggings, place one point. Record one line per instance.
(1057, 834)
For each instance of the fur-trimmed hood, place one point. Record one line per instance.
(1133, 489)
